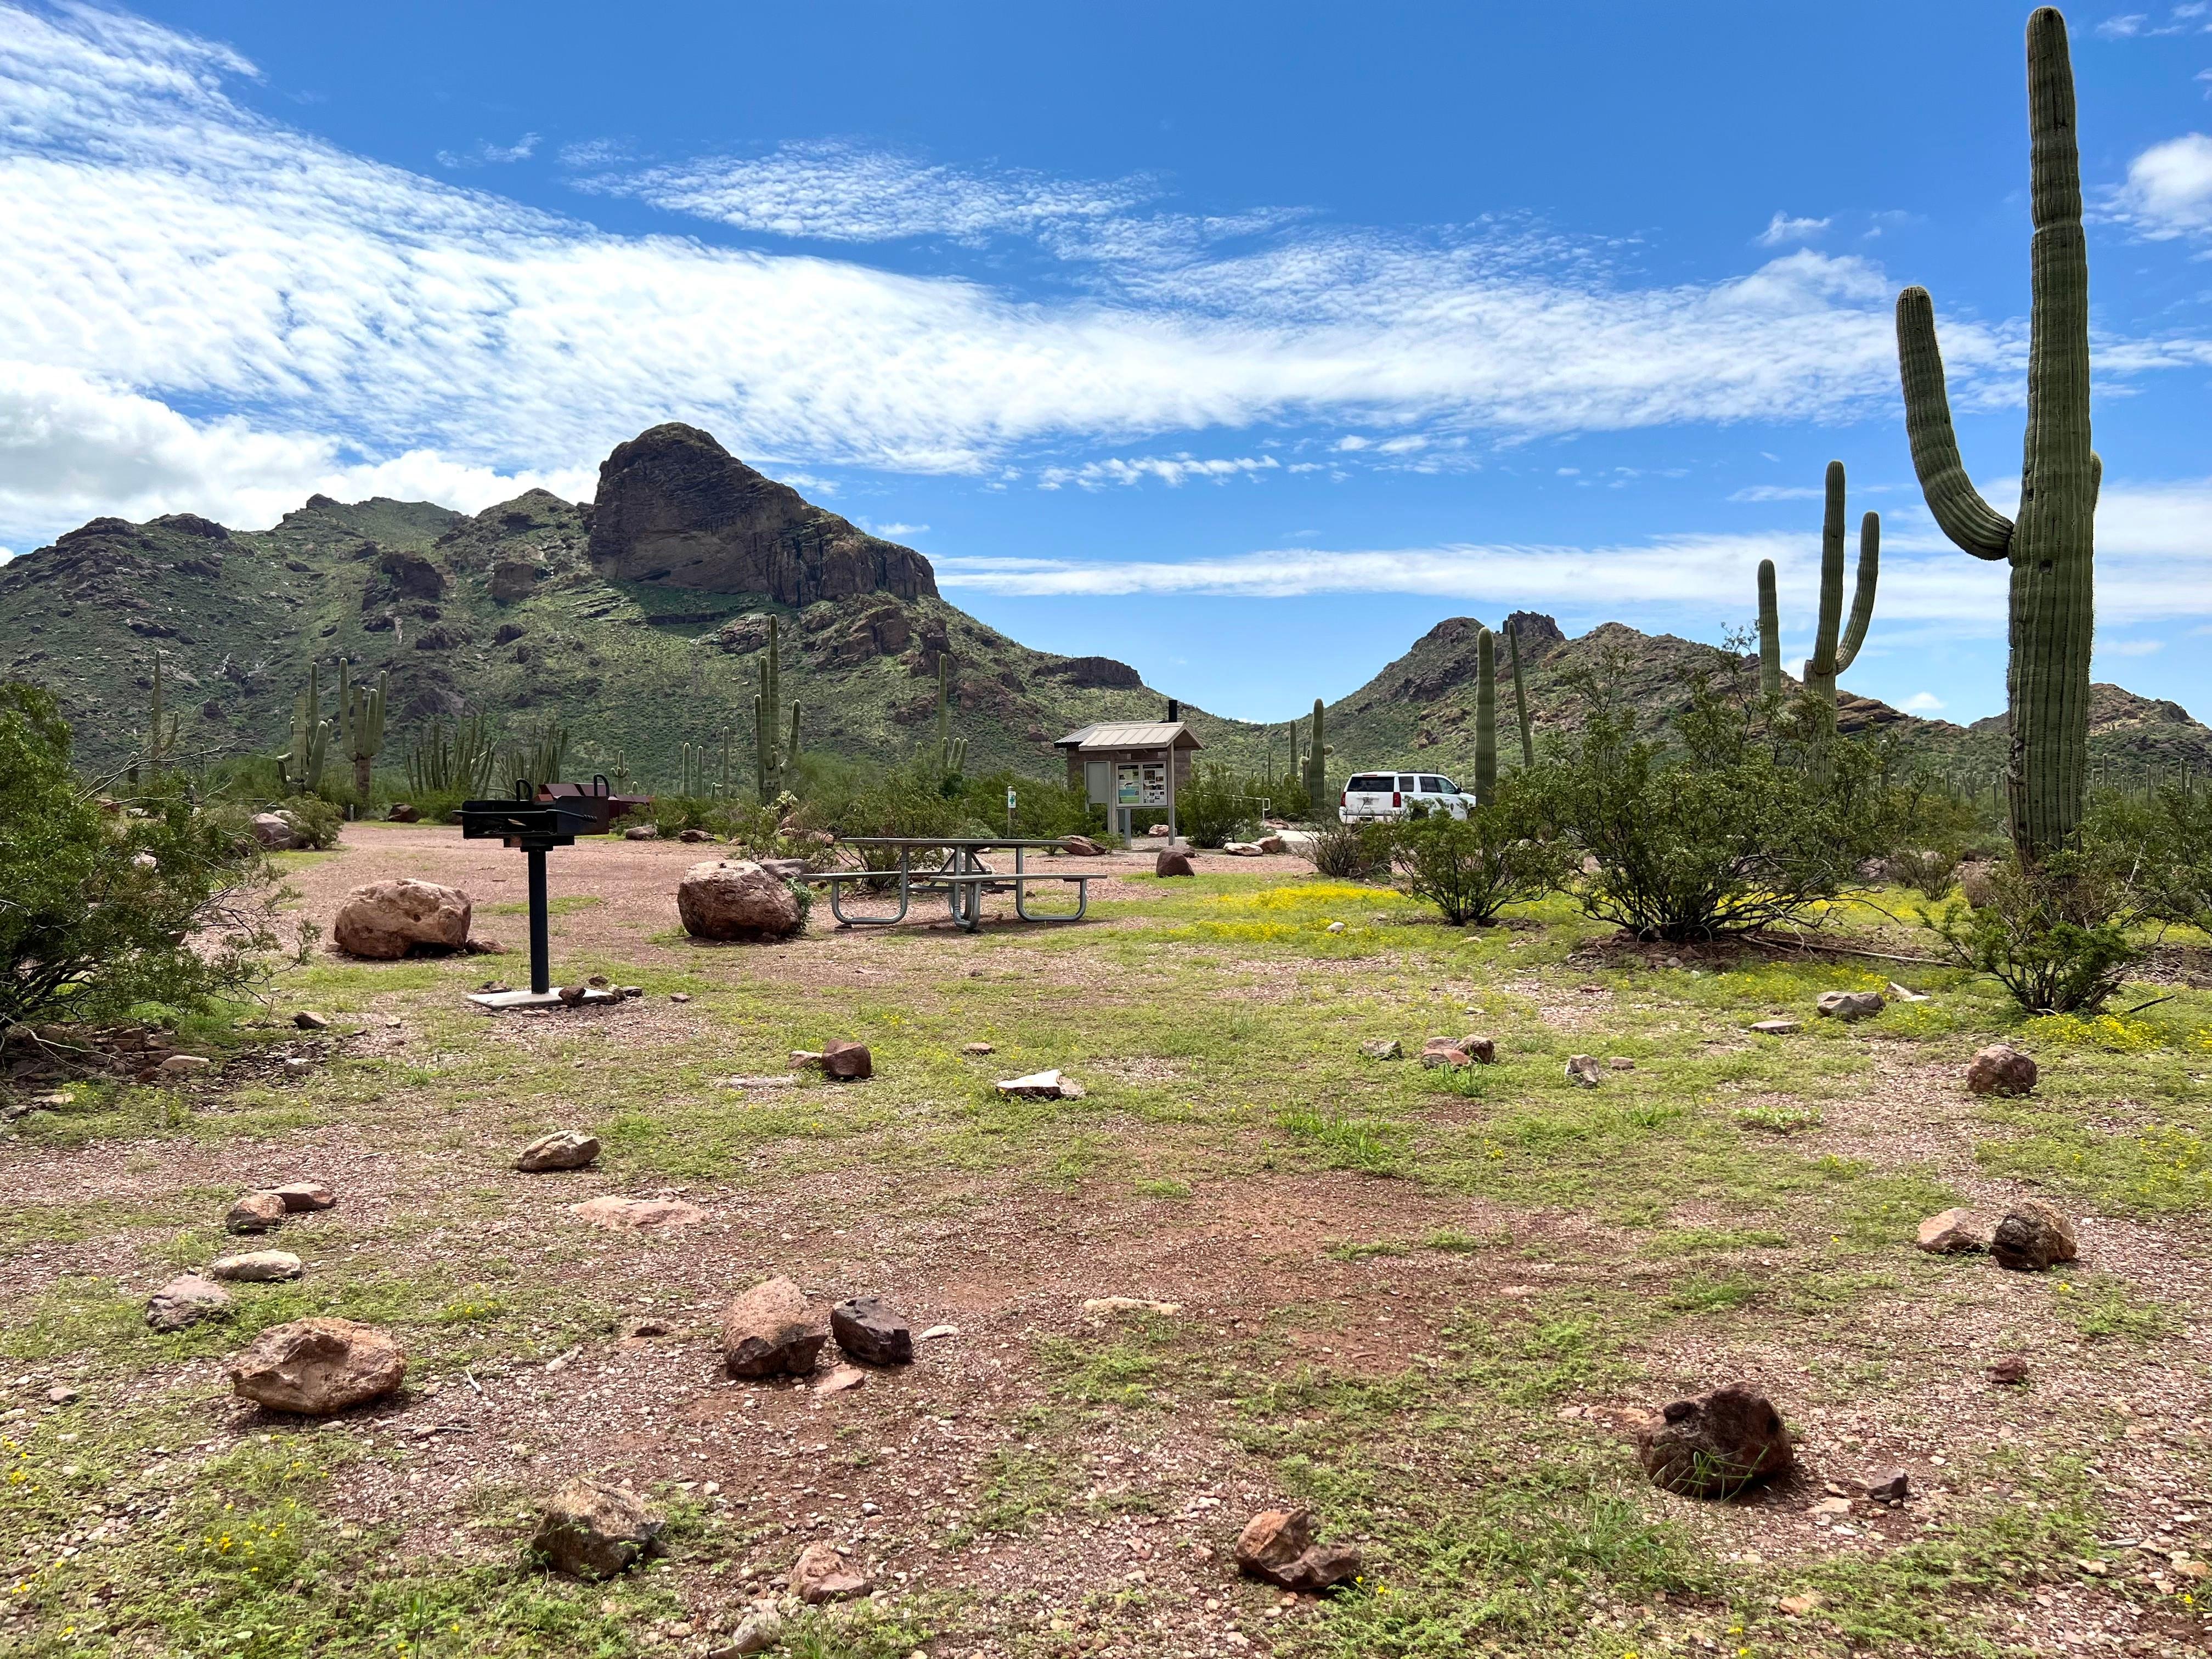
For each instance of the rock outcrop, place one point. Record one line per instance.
(675, 508)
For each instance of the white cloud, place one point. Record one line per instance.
(1777, 493)
(2129, 647)
(893, 529)
(2169, 189)
(1922, 702)
(1171, 470)
(487, 154)
(169, 249)
(2124, 27)
(1782, 229)
(2153, 562)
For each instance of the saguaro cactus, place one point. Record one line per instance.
(777, 758)
(1836, 644)
(300, 765)
(162, 730)
(360, 722)
(1521, 698)
(2051, 547)
(1316, 762)
(952, 751)
(1485, 718)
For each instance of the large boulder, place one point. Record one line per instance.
(735, 898)
(385, 920)
(2032, 1237)
(770, 1331)
(2001, 1069)
(589, 1530)
(1714, 1445)
(318, 1366)
(276, 831)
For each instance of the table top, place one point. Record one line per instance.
(975, 843)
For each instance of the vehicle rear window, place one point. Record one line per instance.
(1408, 783)
(1370, 783)
(1437, 785)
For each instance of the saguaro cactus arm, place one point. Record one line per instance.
(1770, 633)
(1862, 594)
(1521, 698)
(1959, 510)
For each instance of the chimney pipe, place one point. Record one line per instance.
(1174, 711)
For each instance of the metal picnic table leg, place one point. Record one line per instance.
(540, 945)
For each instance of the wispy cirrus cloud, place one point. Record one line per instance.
(1783, 229)
(1171, 470)
(488, 155)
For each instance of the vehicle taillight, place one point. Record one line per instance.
(1396, 799)
(1345, 799)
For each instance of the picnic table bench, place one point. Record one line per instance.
(950, 866)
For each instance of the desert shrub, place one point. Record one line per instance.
(2054, 934)
(1470, 868)
(1351, 852)
(2163, 844)
(1214, 807)
(1927, 870)
(673, 814)
(1725, 831)
(102, 904)
(315, 820)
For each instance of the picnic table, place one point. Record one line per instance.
(950, 866)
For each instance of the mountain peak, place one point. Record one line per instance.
(675, 508)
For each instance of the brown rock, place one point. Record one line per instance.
(1953, 1232)
(695, 835)
(385, 920)
(1482, 1050)
(868, 1331)
(301, 1196)
(308, 1020)
(257, 1267)
(820, 1575)
(1383, 1048)
(2010, 1371)
(1173, 864)
(1277, 1546)
(736, 899)
(185, 1300)
(401, 812)
(642, 832)
(770, 1331)
(640, 1214)
(564, 1149)
(847, 1061)
(1583, 1070)
(1444, 1053)
(256, 1212)
(276, 831)
(1081, 846)
(975, 1049)
(1157, 831)
(1776, 1027)
(2031, 1237)
(2001, 1069)
(1850, 1006)
(1715, 1444)
(589, 1530)
(318, 1366)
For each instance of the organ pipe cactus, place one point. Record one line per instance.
(1521, 697)
(1485, 718)
(2051, 545)
(1836, 643)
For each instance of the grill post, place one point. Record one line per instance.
(540, 945)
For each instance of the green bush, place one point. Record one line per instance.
(1214, 808)
(1470, 868)
(1730, 829)
(315, 820)
(2164, 843)
(1351, 852)
(2054, 935)
(1927, 870)
(103, 902)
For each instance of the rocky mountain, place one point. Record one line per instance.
(638, 621)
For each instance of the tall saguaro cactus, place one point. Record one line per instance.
(162, 730)
(1520, 697)
(2051, 546)
(1316, 762)
(1485, 718)
(952, 751)
(361, 724)
(300, 765)
(777, 757)
(1836, 642)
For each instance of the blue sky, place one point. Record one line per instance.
(1242, 343)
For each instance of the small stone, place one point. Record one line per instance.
(629, 991)
(820, 1575)
(1902, 994)
(1173, 864)
(573, 996)
(679, 996)
(184, 1300)
(841, 1379)
(61, 1394)
(2010, 1371)
(756, 1632)
(975, 1050)
(1799, 1606)
(642, 1215)
(2032, 1237)
(1895, 1490)
(1582, 1069)
(1384, 1048)
(318, 1366)
(695, 834)
(1775, 1027)
(939, 1333)
(1953, 1232)
(1333, 928)
(257, 1267)
(1850, 1006)
(770, 1330)
(590, 1530)
(1620, 1063)
(1277, 1546)
(848, 1062)
(301, 1196)
(563, 1149)
(256, 1212)
(642, 832)
(1121, 1305)
(308, 1020)
(2001, 1069)
(1715, 1444)
(179, 1065)
(644, 1329)
(1444, 1054)
(870, 1332)
(1042, 1085)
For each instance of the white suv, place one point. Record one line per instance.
(1371, 795)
